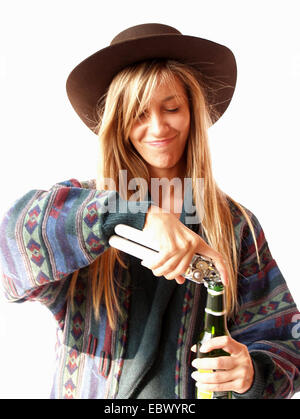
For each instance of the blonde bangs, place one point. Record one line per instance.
(143, 80)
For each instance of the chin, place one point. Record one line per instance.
(163, 166)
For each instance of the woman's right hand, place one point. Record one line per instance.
(177, 244)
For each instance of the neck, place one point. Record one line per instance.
(168, 194)
(178, 171)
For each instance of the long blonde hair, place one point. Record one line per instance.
(127, 97)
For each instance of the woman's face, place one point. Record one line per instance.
(161, 132)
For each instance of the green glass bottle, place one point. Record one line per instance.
(214, 325)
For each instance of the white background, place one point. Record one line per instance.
(255, 145)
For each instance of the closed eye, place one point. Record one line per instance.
(173, 109)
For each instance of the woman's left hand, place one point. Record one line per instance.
(233, 373)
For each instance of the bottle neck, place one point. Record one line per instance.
(215, 311)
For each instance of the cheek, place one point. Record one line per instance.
(136, 137)
(133, 137)
(136, 134)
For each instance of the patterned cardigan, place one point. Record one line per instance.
(47, 235)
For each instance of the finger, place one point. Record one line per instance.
(202, 376)
(221, 267)
(173, 265)
(214, 377)
(150, 264)
(177, 267)
(221, 342)
(180, 280)
(218, 260)
(218, 363)
(222, 387)
(167, 266)
(162, 258)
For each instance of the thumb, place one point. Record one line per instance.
(222, 269)
(218, 261)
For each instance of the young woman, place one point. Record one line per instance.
(126, 328)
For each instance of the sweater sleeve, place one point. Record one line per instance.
(48, 235)
(267, 320)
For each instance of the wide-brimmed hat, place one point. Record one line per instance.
(89, 80)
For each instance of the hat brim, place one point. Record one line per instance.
(89, 80)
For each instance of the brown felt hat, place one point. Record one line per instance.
(89, 80)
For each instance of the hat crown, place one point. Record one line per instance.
(141, 31)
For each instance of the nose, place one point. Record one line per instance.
(157, 125)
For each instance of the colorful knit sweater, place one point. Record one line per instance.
(47, 235)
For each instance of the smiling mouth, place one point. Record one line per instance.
(161, 142)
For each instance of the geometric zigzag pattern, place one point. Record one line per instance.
(261, 311)
(121, 335)
(90, 227)
(31, 236)
(76, 324)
